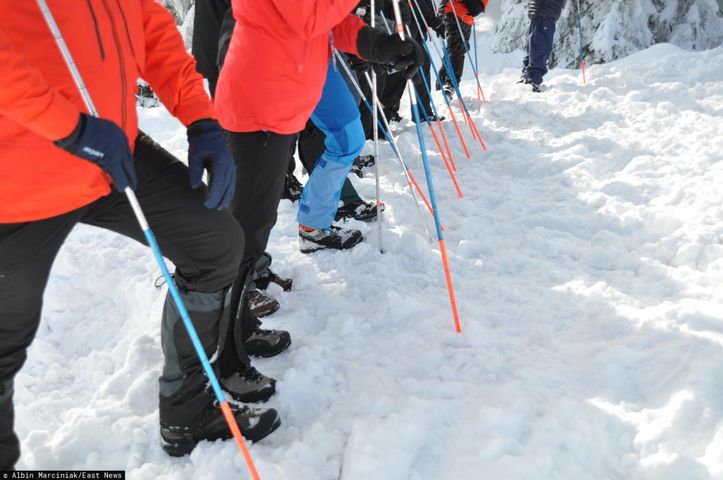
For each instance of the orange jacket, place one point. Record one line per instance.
(461, 11)
(113, 46)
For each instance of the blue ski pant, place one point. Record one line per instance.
(539, 48)
(337, 115)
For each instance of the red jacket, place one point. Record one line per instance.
(39, 102)
(461, 11)
(277, 61)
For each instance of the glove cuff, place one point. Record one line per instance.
(366, 43)
(68, 143)
(203, 125)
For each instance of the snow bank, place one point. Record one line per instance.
(587, 255)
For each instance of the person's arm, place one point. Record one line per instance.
(169, 70)
(346, 34)
(313, 18)
(26, 98)
(224, 39)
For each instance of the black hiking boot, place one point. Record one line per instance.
(536, 87)
(292, 188)
(254, 423)
(249, 385)
(267, 343)
(334, 237)
(261, 304)
(524, 80)
(360, 163)
(360, 210)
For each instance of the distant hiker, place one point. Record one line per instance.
(458, 17)
(543, 16)
(277, 66)
(60, 167)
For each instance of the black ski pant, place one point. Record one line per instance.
(205, 246)
(456, 46)
(262, 161)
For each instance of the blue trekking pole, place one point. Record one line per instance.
(428, 174)
(582, 53)
(447, 65)
(387, 132)
(439, 82)
(466, 51)
(228, 415)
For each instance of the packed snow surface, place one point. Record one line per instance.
(587, 258)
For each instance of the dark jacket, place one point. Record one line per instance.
(546, 8)
(207, 26)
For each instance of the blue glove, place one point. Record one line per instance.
(104, 143)
(207, 149)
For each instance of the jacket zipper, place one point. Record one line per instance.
(121, 61)
(97, 30)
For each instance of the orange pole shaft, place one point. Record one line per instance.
(582, 63)
(231, 420)
(446, 145)
(446, 163)
(459, 132)
(450, 287)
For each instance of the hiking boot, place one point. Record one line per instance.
(448, 90)
(267, 343)
(394, 117)
(432, 118)
(336, 238)
(254, 423)
(524, 80)
(261, 304)
(360, 163)
(536, 87)
(249, 385)
(292, 188)
(359, 210)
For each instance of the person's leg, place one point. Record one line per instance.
(206, 247)
(337, 116)
(526, 58)
(311, 147)
(542, 34)
(27, 252)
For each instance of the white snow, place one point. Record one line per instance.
(587, 257)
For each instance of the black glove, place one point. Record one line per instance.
(391, 50)
(474, 7)
(359, 65)
(208, 150)
(104, 143)
(437, 24)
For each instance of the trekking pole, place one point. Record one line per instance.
(228, 415)
(429, 88)
(430, 185)
(476, 60)
(434, 135)
(375, 129)
(582, 53)
(386, 131)
(447, 65)
(466, 49)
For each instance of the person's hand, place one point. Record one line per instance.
(104, 143)
(208, 150)
(389, 49)
(437, 24)
(474, 7)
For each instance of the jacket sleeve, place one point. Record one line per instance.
(26, 98)
(313, 18)
(346, 33)
(169, 70)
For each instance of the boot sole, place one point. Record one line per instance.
(186, 444)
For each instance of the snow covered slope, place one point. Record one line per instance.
(587, 255)
(613, 29)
